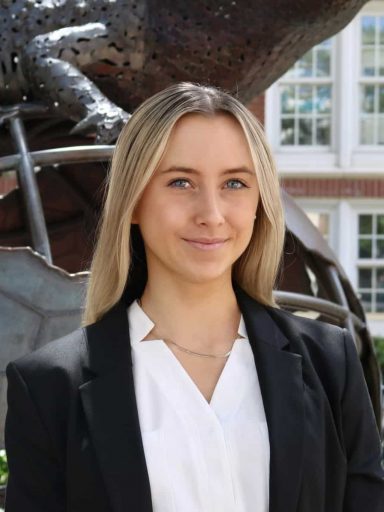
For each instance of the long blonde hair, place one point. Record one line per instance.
(119, 259)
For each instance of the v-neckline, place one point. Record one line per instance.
(222, 375)
(176, 383)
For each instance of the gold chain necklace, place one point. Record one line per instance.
(191, 352)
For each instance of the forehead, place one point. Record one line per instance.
(216, 125)
(208, 137)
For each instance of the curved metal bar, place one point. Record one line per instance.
(74, 154)
(30, 191)
(306, 303)
(339, 292)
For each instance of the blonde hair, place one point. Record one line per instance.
(119, 259)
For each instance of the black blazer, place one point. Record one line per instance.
(73, 439)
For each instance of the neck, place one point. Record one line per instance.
(199, 315)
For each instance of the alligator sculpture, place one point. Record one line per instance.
(94, 61)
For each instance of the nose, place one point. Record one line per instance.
(210, 208)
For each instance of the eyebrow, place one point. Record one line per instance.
(189, 170)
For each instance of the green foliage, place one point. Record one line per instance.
(379, 346)
(3, 467)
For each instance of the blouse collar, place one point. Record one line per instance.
(140, 324)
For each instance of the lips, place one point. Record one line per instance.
(206, 244)
(206, 240)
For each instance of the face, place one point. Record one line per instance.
(196, 215)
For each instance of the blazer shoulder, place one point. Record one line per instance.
(305, 324)
(314, 335)
(64, 353)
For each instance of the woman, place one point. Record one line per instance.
(188, 389)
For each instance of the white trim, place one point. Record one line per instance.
(345, 97)
(345, 157)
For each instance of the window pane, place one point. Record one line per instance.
(365, 248)
(288, 99)
(380, 278)
(368, 99)
(379, 248)
(287, 131)
(380, 302)
(367, 130)
(305, 99)
(325, 44)
(365, 224)
(380, 225)
(323, 99)
(368, 29)
(381, 28)
(323, 132)
(368, 62)
(381, 61)
(304, 65)
(381, 131)
(366, 299)
(291, 73)
(381, 99)
(365, 278)
(321, 221)
(305, 131)
(323, 63)
(323, 224)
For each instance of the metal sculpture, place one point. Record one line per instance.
(90, 60)
(93, 63)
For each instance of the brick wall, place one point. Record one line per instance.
(327, 187)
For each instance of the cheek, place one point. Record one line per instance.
(243, 216)
(160, 221)
(244, 225)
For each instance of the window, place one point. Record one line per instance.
(305, 93)
(372, 80)
(330, 103)
(371, 261)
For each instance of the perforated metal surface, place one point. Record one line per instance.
(85, 58)
(38, 303)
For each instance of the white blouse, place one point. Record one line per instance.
(200, 456)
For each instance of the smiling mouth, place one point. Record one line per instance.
(206, 245)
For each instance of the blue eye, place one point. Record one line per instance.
(176, 183)
(238, 184)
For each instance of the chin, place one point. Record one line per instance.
(204, 275)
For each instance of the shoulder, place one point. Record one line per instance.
(42, 389)
(62, 356)
(304, 325)
(328, 352)
(322, 343)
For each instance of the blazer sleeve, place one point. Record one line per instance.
(365, 477)
(36, 482)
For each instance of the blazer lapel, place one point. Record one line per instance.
(282, 388)
(110, 408)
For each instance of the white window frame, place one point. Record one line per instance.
(363, 207)
(298, 156)
(345, 157)
(343, 231)
(364, 154)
